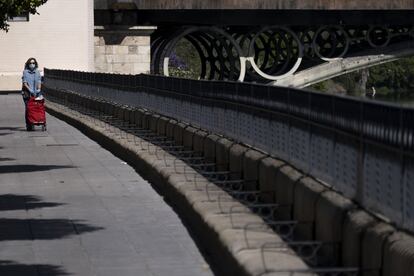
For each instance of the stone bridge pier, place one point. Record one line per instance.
(123, 49)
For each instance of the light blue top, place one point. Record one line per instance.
(32, 78)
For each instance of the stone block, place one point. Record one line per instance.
(88, 103)
(146, 120)
(198, 141)
(109, 58)
(210, 148)
(251, 163)
(169, 129)
(136, 41)
(132, 116)
(138, 114)
(143, 58)
(162, 126)
(132, 58)
(99, 41)
(236, 156)
(141, 68)
(101, 106)
(122, 68)
(223, 146)
(372, 252)
(399, 255)
(286, 180)
(153, 122)
(306, 194)
(100, 59)
(178, 133)
(253, 238)
(110, 109)
(101, 67)
(117, 58)
(110, 49)
(222, 221)
(99, 50)
(120, 50)
(144, 50)
(119, 112)
(188, 134)
(283, 260)
(128, 115)
(331, 209)
(268, 169)
(133, 49)
(355, 224)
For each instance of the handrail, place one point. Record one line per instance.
(387, 123)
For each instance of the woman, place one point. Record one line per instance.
(32, 84)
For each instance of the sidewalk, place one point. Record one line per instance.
(69, 207)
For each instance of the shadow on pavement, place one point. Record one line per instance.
(12, 128)
(6, 133)
(10, 202)
(42, 229)
(6, 159)
(9, 268)
(30, 168)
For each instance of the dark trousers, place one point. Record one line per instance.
(26, 100)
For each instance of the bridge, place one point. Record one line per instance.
(285, 43)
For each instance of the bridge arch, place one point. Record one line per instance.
(295, 56)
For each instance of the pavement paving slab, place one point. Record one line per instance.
(70, 207)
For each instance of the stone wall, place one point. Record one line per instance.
(123, 50)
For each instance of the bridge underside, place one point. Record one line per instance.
(282, 47)
(256, 4)
(282, 55)
(252, 17)
(337, 67)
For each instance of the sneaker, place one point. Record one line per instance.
(39, 98)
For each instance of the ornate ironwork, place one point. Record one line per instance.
(271, 53)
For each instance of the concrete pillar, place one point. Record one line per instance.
(268, 170)
(373, 244)
(399, 255)
(306, 194)
(331, 209)
(123, 49)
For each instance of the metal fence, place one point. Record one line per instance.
(362, 148)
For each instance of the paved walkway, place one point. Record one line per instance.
(69, 207)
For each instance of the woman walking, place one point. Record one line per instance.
(32, 84)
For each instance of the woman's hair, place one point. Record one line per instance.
(26, 65)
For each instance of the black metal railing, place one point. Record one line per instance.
(390, 124)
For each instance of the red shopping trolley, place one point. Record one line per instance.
(36, 115)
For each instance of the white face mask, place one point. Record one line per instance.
(32, 66)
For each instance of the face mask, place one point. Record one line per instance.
(32, 66)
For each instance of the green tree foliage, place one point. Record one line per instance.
(185, 61)
(9, 8)
(392, 79)
(395, 77)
